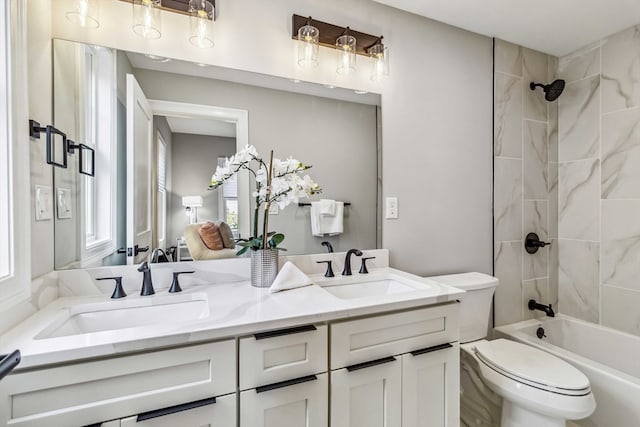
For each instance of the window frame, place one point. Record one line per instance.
(16, 286)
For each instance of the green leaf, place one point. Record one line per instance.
(275, 240)
(242, 251)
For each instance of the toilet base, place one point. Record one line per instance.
(517, 416)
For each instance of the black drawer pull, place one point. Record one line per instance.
(430, 349)
(173, 409)
(287, 383)
(364, 365)
(281, 332)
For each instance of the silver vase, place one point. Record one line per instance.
(264, 267)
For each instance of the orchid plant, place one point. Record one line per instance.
(278, 181)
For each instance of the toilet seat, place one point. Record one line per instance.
(532, 367)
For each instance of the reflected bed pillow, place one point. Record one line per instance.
(210, 235)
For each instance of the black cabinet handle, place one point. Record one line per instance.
(9, 362)
(365, 365)
(430, 349)
(281, 332)
(174, 409)
(287, 383)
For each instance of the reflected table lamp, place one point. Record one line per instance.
(191, 205)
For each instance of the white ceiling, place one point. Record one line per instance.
(202, 126)
(556, 27)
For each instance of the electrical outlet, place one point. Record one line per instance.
(391, 208)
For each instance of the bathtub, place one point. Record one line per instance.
(610, 359)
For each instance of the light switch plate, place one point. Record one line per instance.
(391, 208)
(44, 203)
(63, 201)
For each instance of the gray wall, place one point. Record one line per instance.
(338, 138)
(193, 159)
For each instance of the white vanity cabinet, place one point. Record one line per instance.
(398, 369)
(107, 389)
(283, 378)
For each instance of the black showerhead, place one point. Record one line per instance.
(551, 91)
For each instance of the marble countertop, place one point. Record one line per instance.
(234, 309)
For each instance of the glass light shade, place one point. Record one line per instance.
(380, 55)
(308, 47)
(201, 23)
(146, 18)
(346, 46)
(84, 13)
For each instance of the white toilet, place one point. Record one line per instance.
(537, 388)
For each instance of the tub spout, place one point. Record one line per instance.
(533, 305)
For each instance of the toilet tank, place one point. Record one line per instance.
(475, 306)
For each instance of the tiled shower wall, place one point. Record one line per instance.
(525, 181)
(599, 183)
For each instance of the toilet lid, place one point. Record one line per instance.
(532, 366)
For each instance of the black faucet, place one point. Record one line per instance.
(533, 305)
(328, 245)
(347, 261)
(147, 284)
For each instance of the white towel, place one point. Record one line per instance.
(322, 225)
(327, 207)
(289, 277)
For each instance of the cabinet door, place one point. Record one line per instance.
(302, 404)
(221, 413)
(431, 387)
(367, 396)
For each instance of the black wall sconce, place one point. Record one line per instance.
(87, 166)
(34, 132)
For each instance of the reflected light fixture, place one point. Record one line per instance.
(84, 13)
(201, 22)
(191, 205)
(146, 18)
(346, 45)
(380, 55)
(308, 47)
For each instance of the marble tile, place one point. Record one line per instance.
(553, 200)
(621, 154)
(508, 58)
(620, 72)
(581, 64)
(552, 70)
(507, 263)
(553, 131)
(508, 116)
(620, 219)
(535, 220)
(620, 266)
(579, 200)
(553, 272)
(535, 69)
(578, 284)
(507, 199)
(621, 243)
(620, 309)
(538, 290)
(579, 120)
(535, 155)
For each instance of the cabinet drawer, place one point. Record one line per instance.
(357, 341)
(282, 355)
(220, 413)
(303, 404)
(91, 392)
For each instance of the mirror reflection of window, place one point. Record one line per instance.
(228, 201)
(162, 192)
(95, 81)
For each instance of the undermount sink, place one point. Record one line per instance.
(115, 315)
(358, 286)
